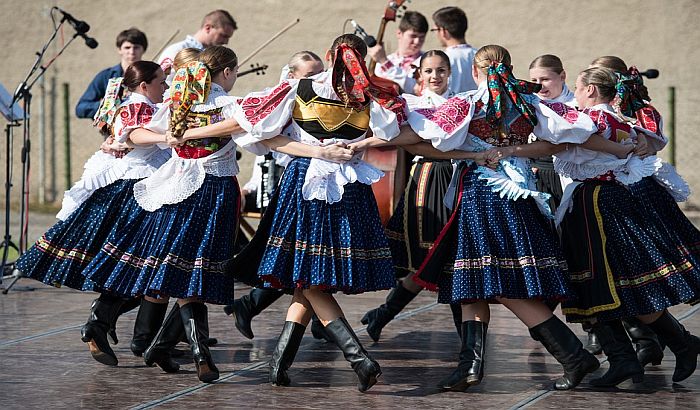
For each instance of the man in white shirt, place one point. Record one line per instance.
(399, 66)
(216, 29)
(451, 28)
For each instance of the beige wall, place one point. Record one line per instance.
(649, 33)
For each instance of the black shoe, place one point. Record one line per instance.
(621, 355)
(684, 346)
(377, 318)
(127, 306)
(649, 350)
(160, 351)
(249, 306)
(470, 369)
(367, 369)
(94, 332)
(593, 345)
(194, 318)
(148, 321)
(563, 344)
(318, 331)
(285, 351)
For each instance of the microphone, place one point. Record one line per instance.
(89, 41)
(79, 25)
(369, 40)
(650, 73)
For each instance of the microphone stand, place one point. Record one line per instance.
(23, 93)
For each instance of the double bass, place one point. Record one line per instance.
(391, 160)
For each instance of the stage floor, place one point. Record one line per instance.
(45, 365)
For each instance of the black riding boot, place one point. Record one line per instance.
(377, 318)
(127, 306)
(563, 344)
(285, 351)
(456, 309)
(247, 307)
(621, 355)
(684, 346)
(470, 369)
(367, 369)
(317, 329)
(194, 318)
(649, 350)
(148, 321)
(160, 351)
(102, 313)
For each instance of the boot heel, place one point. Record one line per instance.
(638, 378)
(656, 363)
(228, 309)
(365, 319)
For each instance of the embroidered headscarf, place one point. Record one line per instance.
(114, 96)
(355, 87)
(500, 81)
(630, 93)
(191, 85)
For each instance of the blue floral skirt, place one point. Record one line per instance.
(179, 250)
(494, 247)
(337, 247)
(623, 259)
(60, 255)
(419, 215)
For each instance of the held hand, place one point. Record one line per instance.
(118, 146)
(642, 148)
(359, 146)
(172, 141)
(336, 153)
(104, 147)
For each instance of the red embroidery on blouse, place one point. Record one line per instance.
(447, 116)
(649, 119)
(136, 114)
(609, 126)
(568, 113)
(257, 108)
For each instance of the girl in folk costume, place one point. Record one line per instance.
(420, 213)
(634, 264)
(304, 64)
(101, 199)
(498, 244)
(325, 234)
(178, 248)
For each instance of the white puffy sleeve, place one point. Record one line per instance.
(132, 116)
(446, 126)
(384, 122)
(559, 123)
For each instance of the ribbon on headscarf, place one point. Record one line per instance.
(354, 86)
(114, 96)
(630, 93)
(191, 85)
(500, 80)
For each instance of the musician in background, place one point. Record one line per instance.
(451, 28)
(399, 66)
(131, 44)
(216, 29)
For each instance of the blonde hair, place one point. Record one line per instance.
(612, 62)
(490, 54)
(604, 79)
(548, 62)
(184, 56)
(218, 58)
(300, 57)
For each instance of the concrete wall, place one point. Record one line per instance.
(648, 33)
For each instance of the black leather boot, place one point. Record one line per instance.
(102, 313)
(470, 369)
(563, 344)
(456, 309)
(684, 345)
(285, 352)
(367, 369)
(127, 306)
(194, 318)
(621, 355)
(318, 331)
(649, 350)
(377, 318)
(592, 344)
(148, 321)
(160, 351)
(247, 307)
